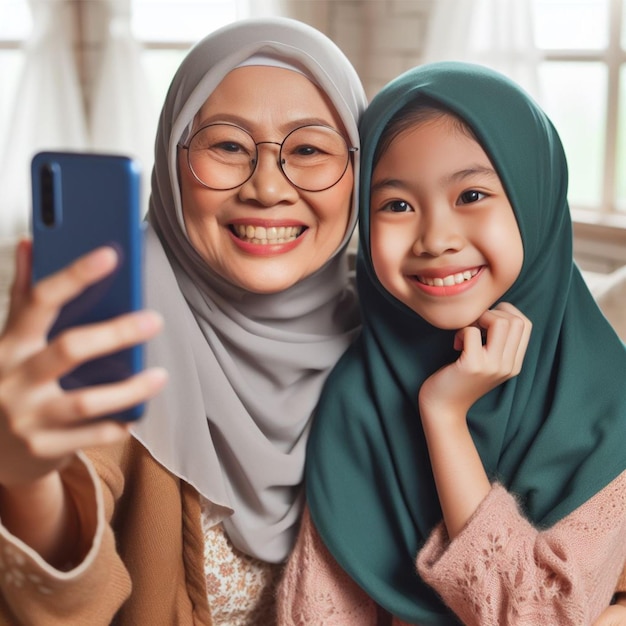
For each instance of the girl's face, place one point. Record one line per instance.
(230, 229)
(444, 238)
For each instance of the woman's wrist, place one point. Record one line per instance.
(43, 516)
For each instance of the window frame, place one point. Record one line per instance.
(613, 58)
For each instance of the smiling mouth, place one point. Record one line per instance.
(266, 236)
(448, 281)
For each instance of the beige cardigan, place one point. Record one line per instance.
(160, 543)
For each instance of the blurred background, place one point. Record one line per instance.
(92, 74)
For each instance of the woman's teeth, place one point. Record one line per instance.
(271, 235)
(447, 281)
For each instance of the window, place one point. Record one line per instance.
(582, 74)
(165, 28)
(583, 88)
(168, 28)
(12, 33)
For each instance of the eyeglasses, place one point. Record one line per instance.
(224, 156)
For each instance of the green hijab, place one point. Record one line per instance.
(554, 435)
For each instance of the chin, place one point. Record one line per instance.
(446, 322)
(268, 287)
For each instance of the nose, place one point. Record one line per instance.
(268, 186)
(438, 233)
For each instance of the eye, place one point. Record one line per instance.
(397, 206)
(305, 150)
(228, 146)
(470, 196)
(230, 152)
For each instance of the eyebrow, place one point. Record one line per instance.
(229, 118)
(395, 183)
(471, 171)
(388, 183)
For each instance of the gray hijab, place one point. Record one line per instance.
(246, 370)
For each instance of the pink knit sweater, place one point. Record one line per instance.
(499, 571)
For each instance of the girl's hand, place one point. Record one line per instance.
(447, 395)
(481, 366)
(41, 424)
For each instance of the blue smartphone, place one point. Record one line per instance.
(82, 201)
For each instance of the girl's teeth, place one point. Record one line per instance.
(448, 281)
(271, 235)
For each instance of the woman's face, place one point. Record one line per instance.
(444, 238)
(229, 228)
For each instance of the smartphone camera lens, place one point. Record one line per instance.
(47, 195)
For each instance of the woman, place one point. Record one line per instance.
(252, 207)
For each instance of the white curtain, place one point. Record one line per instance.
(496, 33)
(122, 108)
(258, 8)
(48, 112)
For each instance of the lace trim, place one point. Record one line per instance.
(502, 570)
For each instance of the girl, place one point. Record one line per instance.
(451, 437)
(189, 521)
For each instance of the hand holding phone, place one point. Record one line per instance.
(82, 201)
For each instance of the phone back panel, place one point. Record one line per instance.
(81, 202)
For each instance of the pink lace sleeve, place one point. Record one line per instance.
(501, 570)
(315, 591)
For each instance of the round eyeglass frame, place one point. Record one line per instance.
(280, 162)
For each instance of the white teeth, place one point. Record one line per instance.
(448, 281)
(271, 235)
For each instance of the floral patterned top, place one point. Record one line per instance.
(241, 589)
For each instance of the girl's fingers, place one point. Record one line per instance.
(84, 343)
(519, 333)
(507, 334)
(511, 332)
(468, 339)
(525, 334)
(503, 337)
